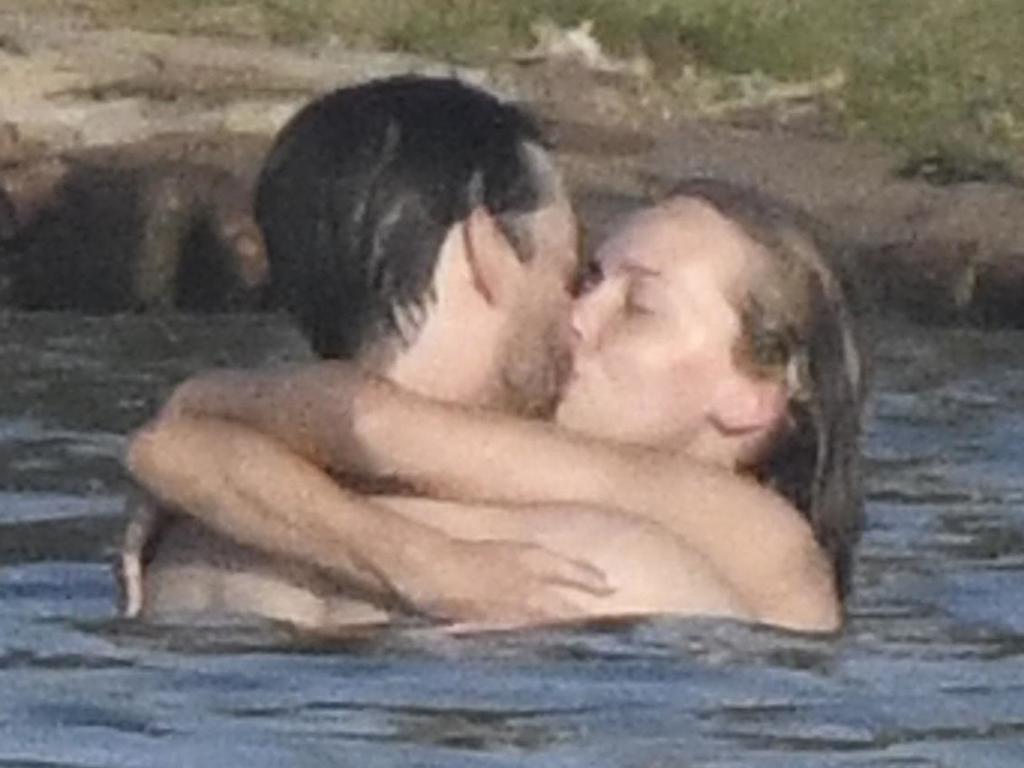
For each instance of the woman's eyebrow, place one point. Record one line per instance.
(640, 270)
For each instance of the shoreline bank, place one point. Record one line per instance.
(167, 132)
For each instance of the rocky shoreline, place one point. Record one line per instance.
(127, 161)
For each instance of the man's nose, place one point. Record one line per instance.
(583, 323)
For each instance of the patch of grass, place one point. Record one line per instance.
(947, 79)
(286, 21)
(939, 77)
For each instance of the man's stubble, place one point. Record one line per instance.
(535, 365)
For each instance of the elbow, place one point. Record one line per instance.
(156, 451)
(144, 448)
(145, 460)
(177, 462)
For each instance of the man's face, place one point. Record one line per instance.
(535, 356)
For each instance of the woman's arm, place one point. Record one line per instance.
(255, 491)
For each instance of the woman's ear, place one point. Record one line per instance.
(495, 269)
(745, 405)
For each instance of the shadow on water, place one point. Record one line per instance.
(81, 538)
(926, 674)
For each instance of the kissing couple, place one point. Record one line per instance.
(502, 431)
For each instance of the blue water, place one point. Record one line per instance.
(929, 672)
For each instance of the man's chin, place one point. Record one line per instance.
(525, 403)
(532, 392)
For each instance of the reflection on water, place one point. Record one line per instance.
(929, 672)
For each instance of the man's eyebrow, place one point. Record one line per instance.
(582, 257)
(581, 271)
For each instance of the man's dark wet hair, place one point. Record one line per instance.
(362, 187)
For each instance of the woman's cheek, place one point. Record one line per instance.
(626, 364)
(644, 357)
(640, 372)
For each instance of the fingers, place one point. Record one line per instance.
(537, 610)
(501, 586)
(572, 573)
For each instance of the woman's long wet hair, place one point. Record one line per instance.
(797, 327)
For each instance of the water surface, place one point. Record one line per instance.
(929, 673)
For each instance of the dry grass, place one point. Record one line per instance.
(942, 78)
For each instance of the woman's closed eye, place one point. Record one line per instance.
(638, 304)
(634, 308)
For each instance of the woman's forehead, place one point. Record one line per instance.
(680, 230)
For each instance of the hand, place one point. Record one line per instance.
(502, 584)
(145, 518)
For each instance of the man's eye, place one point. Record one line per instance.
(588, 276)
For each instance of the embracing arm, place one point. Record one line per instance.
(756, 540)
(254, 490)
(340, 419)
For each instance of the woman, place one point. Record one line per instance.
(713, 341)
(739, 281)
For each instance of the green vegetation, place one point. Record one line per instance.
(943, 78)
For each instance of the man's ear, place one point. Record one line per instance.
(495, 269)
(743, 404)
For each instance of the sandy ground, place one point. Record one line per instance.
(171, 129)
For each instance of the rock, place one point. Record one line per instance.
(135, 236)
(8, 218)
(8, 229)
(578, 44)
(999, 292)
(926, 281)
(31, 186)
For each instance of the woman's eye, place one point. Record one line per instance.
(635, 305)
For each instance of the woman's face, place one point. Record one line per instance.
(655, 334)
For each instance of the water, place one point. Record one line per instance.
(929, 672)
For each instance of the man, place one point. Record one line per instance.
(418, 227)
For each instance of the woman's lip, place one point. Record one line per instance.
(573, 381)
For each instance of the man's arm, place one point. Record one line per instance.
(340, 419)
(259, 493)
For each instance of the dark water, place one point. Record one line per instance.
(929, 673)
